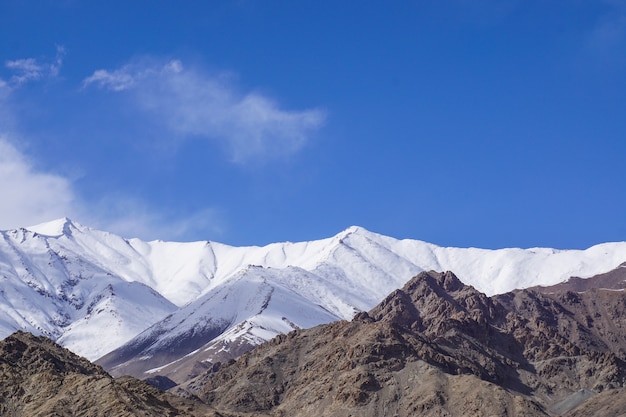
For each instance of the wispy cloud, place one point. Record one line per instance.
(30, 196)
(130, 75)
(192, 103)
(33, 195)
(27, 69)
(30, 69)
(55, 66)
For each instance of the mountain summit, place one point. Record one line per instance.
(57, 228)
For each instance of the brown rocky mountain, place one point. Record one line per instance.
(40, 378)
(437, 347)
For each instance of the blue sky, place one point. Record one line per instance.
(463, 123)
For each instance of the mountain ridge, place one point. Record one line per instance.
(63, 280)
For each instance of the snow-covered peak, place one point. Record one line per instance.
(56, 228)
(358, 231)
(350, 230)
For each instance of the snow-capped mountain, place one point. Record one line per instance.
(51, 286)
(94, 292)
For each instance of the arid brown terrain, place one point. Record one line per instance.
(40, 378)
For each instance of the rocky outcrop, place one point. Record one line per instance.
(40, 378)
(438, 347)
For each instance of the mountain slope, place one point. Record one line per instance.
(39, 378)
(50, 287)
(70, 282)
(439, 347)
(250, 308)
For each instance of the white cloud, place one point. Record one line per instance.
(55, 66)
(29, 69)
(192, 103)
(130, 75)
(117, 80)
(30, 196)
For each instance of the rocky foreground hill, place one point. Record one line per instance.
(436, 347)
(40, 378)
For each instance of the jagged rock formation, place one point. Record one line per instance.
(40, 378)
(438, 347)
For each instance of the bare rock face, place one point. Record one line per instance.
(40, 378)
(437, 347)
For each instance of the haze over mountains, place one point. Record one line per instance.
(206, 301)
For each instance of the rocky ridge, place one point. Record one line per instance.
(439, 347)
(40, 378)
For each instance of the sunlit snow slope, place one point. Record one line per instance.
(94, 291)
